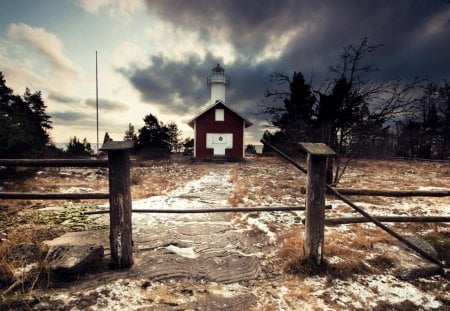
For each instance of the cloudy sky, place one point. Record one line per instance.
(154, 56)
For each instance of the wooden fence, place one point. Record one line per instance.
(119, 194)
(121, 207)
(316, 188)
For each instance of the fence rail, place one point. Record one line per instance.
(54, 162)
(214, 210)
(394, 193)
(90, 163)
(53, 196)
(356, 220)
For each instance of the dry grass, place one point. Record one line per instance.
(344, 253)
(384, 174)
(291, 254)
(351, 248)
(271, 181)
(266, 180)
(160, 177)
(17, 271)
(269, 307)
(303, 292)
(362, 238)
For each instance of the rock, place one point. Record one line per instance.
(422, 244)
(91, 237)
(407, 264)
(74, 259)
(422, 267)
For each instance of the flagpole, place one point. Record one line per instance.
(96, 93)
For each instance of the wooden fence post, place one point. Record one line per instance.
(120, 236)
(315, 200)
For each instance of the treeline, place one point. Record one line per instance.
(157, 140)
(426, 132)
(25, 126)
(154, 140)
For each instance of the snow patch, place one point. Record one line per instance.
(228, 290)
(368, 288)
(263, 227)
(187, 252)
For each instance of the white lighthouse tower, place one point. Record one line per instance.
(218, 83)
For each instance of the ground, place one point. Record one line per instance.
(233, 261)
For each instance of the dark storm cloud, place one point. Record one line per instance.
(324, 28)
(107, 104)
(414, 33)
(248, 25)
(165, 80)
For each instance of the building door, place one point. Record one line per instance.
(219, 142)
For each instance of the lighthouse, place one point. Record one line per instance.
(219, 130)
(218, 83)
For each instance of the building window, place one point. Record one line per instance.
(220, 115)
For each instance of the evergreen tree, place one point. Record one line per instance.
(23, 123)
(188, 146)
(106, 138)
(130, 133)
(79, 149)
(295, 118)
(38, 107)
(173, 136)
(38, 120)
(153, 138)
(444, 111)
(250, 149)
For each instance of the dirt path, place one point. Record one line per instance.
(179, 253)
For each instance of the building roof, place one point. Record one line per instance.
(218, 102)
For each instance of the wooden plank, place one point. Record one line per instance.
(215, 210)
(120, 209)
(117, 145)
(315, 209)
(318, 149)
(394, 193)
(355, 220)
(53, 196)
(54, 162)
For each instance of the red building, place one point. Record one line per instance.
(219, 130)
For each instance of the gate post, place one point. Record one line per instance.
(120, 234)
(315, 200)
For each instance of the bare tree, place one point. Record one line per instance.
(348, 112)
